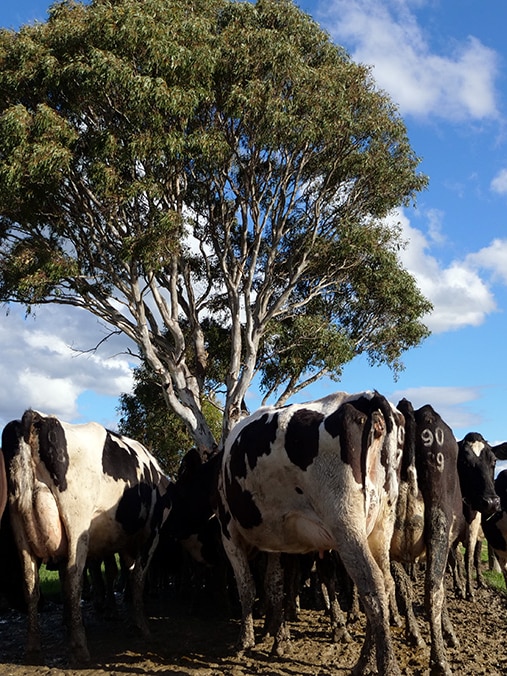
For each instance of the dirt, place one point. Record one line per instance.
(202, 644)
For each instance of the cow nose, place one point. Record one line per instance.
(491, 505)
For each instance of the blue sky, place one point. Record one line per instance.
(445, 65)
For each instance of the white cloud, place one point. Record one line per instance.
(42, 368)
(492, 258)
(450, 402)
(459, 295)
(499, 183)
(458, 85)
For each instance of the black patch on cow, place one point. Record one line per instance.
(254, 440)
(242, 505)
(161, 494)
(501, 488)
(348, 424)
(494, 535)
(53, 450)
(11, 434)
(224, 516)
(302, 437)
(119, 461)
(133, 507)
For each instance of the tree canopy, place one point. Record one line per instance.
(210, 177)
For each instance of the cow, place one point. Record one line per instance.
(428, 510)
(78, 492)
(192, 527)
(476, 470)
(3, 486)
(495, 526)
(314, 477)
(438, 476)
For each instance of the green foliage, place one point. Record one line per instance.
(163, 163)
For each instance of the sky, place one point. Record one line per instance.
(444, 63)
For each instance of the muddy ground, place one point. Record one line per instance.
(202, 643)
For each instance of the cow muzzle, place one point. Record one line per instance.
(490, 505)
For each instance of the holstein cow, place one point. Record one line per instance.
(495, 526)
(476, 469)
(314, 477)
(78, 491)
(3, 486)
(428, 508)
(437, 477)
(193, 524)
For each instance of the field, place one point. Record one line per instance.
(202, 643)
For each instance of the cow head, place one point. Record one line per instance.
(476, 467)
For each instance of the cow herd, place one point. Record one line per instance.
(381, 486)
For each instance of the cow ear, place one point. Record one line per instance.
(500, 451)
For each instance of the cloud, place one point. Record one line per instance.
(42, 366)
(459, 295)
(492, 258)
(499, 183)
(450, 402)
(458, 85)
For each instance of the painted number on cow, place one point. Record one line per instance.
(429, 437)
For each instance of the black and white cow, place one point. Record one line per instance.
(438, 476)
(3, 486)
(78, 492)
(428, 509)
(495, 527)
(476, 469)
(314, 477)
(193, 529)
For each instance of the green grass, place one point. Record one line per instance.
(491, 577)
(50, 584)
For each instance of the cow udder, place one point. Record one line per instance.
(46, 532)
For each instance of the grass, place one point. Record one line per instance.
(50, 584)
(492, 577)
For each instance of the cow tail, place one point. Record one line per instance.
(33, 498)
(22, 474)
(408, 464)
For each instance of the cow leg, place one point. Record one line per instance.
(456, 566)
(478, 564)
(471, 541)
(246, 591)
(448, 630)
(435, 598)
(291, 565)
(274, 583)
(32, 594)
(368, 577)
(73, 585)
(136, 579)
(404, 591)
(326, 570)
(31, 589)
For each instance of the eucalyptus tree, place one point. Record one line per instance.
(207, 175)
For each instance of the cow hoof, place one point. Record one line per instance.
(280, 649)
(244, 645)
(417, 642)
(440, 670)
(80, 657)
(341, 635)
(33, 656)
